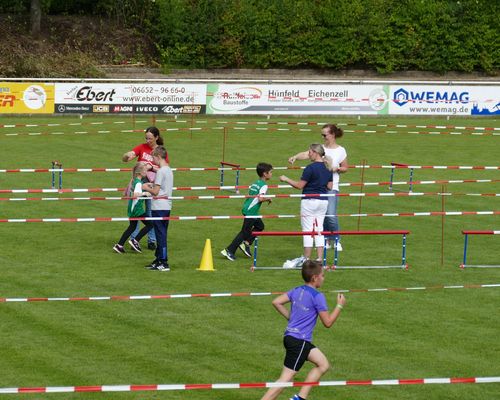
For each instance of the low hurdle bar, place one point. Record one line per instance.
(237, 166)
(393, 169)
(403, 265)
(467, 233)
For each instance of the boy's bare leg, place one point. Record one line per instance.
(286, 376)
(321, 366)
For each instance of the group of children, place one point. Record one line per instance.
(306, 302)
(139, 190)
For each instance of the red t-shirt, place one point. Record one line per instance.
(143, 152)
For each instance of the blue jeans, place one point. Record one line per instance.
(332, 223)
(151, 233)
(161, 230)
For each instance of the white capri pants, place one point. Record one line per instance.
(312, 215)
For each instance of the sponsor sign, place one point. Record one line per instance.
(297, 99)
(444, 100)
(26, 98)
(95, 97)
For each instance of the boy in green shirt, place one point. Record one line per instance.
(251, 207)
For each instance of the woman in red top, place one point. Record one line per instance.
(143, 154)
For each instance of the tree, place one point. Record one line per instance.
(36, 17)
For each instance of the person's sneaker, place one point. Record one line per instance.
(161, 266)
(152, 265)
(339, 247)
(135, 245)
(226, 253)
(296, 397)
(151, 245)
(118, 248)
(328, 246)
(295, 263)
(245, 248)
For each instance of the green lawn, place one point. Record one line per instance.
(413, 334)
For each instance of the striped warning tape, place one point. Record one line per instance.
(398, 166)
(255, 128)
(256, 385)
(219, 217)
(267, 129)
(244, 196)
(230, 187)
(236, 294)
(300, 123)
(100, 131)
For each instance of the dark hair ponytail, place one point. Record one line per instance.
(334, 130)
(156, 133)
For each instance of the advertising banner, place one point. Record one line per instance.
(26, 98)
(444, 100)
(155, 98)
(297, 99)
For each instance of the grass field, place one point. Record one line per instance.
(380, 335)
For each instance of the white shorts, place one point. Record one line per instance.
(312, 215)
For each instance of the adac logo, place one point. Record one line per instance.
(401, 97)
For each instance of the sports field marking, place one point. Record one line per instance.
(94, 190)
(244, 196)
(256, 385)
(236, 294)
(219, 217)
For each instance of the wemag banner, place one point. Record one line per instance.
(26, 98)
(154, 98)
(444, 100)
(297, 99)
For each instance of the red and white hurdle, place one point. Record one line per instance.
(467, 233)
(229, 187)
(255, 385)
(400, 166)
(219, 217)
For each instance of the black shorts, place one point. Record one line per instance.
(297, 351)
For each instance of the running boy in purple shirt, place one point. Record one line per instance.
(306, 304)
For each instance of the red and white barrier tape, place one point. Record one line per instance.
(257, 385)
(232, 187)
(400, 166)
(243, 196)
(219, 217)
(299, 123)
(236, 294)
(255, 128)
(481, 232)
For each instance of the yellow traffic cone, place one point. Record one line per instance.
(207, 262)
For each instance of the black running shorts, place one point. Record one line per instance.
(297, 351)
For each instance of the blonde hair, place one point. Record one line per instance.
(138, 168)
(319, 149)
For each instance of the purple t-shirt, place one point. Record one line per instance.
(307, 303)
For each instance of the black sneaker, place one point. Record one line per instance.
(226, 253)
(152, 265)
(161, 266)
(135, 245)
(151, 245)
(245, 248)
(119, 248)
